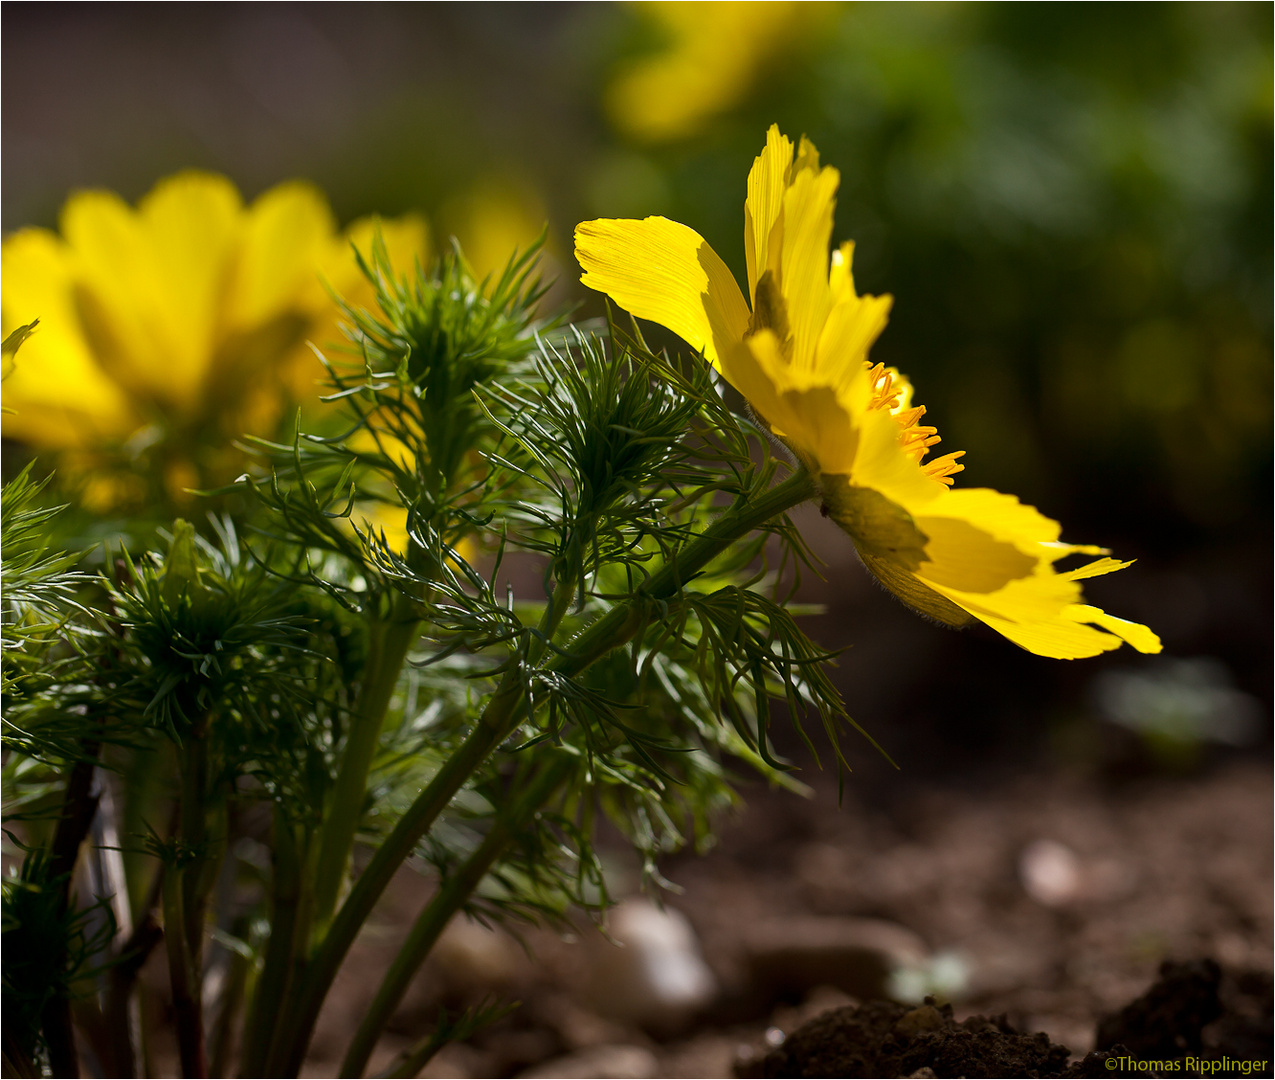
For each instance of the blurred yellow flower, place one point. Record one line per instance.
(714, 52)
(177, 326)
(800, 357)
(491, 219)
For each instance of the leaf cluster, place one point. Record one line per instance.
(49, 634)
(48, 945)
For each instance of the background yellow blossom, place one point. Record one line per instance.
(176, 327)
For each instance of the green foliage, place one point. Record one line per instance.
(385, 684)
(47, 632)
(436, 337)
(47, 947)
(206, 633)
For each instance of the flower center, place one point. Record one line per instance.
(890, 391)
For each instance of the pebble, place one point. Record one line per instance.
(857, 956)
(656, 975)
(474, 958)
(617, 1062)
(1050, 872)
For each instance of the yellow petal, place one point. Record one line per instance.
(767, 181)
(152, 281)
(1003, 517)
(288, 233)
(1057, 638)
(853, 324)
(60, 396)
(808, 209)
(992, 556)
(1094, 569)
(1137, 635)
(960, 555)
(812, 419)
(880, 462)
(660, 270)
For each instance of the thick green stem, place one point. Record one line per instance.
(499, 719)
(387, 649)
(452, 894)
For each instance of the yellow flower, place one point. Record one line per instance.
(799, 354)
(714, 54)
(176, 326)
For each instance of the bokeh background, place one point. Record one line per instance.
(1072, 206)
(1070, 203)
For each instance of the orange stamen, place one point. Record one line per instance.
(914, 437)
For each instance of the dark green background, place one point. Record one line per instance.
(1071, 204)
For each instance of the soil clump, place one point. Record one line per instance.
(1192, 1021)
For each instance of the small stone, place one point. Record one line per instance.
(655, 976)
(857, 956)
(474, 958)
(598, 1063)
(1050, 872)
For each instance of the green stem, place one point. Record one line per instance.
(387, 650)
(499, 719)
(276, 970)
(79, 805)
(187, 1011)
(232, 997)
(450, 898)
(193, 765)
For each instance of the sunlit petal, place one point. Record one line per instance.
(808, 206)
(665, 272)
(801, 361)
(767, 181)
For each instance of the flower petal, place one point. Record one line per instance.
(152, 281)
(1004, 518)
(853, 324)
(992, 556)
(767, 181)
(1058, 637)
(660, 270)
(812, 419)
(808, 206)
(287, 236)
(59, 394)
(960, 555)
(1140, 637)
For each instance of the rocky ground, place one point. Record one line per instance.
(1043, 901)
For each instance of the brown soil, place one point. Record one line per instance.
(1183, 1018)
(1175, 868)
